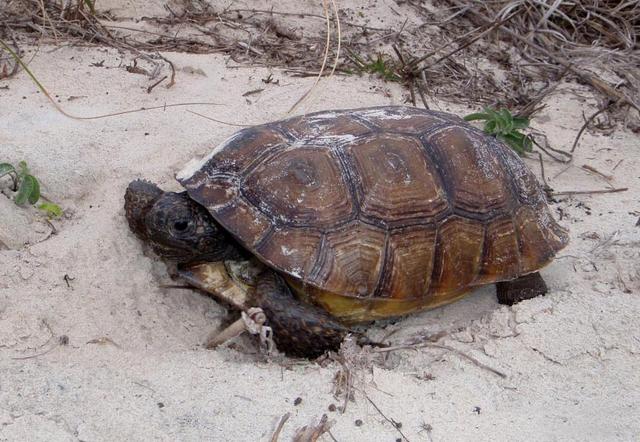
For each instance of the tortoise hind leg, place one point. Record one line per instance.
(299, 329)
(526, 287)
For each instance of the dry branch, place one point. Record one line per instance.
(276, 433)
(589, 192)
(566, 38)
(311, 433)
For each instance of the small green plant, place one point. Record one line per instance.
(27, 188)
(506, 127)
(379, 66)
(25, 185)
(51, 209)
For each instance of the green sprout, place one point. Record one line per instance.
(27, 188)
(381, 67)
(505, 127)
(51, 209)
(378, 66)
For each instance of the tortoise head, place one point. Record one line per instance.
(175, 226)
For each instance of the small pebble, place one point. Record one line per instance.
(297, 401)
(358, 422)
(332, 407)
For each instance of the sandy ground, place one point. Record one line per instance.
(134, 368)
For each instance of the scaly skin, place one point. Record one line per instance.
(526, 287)
(298, 329)
(177, 228)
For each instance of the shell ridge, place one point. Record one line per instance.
(384, 273)
(433, 156)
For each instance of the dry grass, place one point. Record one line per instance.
(594, 40)
(501, 53)
(594, 29)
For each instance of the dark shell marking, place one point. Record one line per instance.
(386, 202)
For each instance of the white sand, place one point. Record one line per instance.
(134, 368)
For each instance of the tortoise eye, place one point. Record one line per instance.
(180, 226)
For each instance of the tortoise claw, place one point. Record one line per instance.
(252, 321)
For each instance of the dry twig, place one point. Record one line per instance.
(589, 192)
(326, 53)
(311, 433)
(586, 124)
(443, 347)
(276, 433)
(393, 423)
(597, 172)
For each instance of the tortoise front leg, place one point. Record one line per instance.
(526, 287)
(299, 329)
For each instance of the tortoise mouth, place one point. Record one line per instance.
(138, 199)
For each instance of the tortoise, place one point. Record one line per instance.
(344, 217)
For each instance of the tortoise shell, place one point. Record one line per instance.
(380, 211)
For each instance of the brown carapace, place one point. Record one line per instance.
(377, 212)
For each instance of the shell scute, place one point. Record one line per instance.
(473, 170)
(411, 257)
(351, 260)
(294, 250)
(534, 247)
(402, 119)
(333, 127)
(396, 180)
(244, 221)
(501, 260)
(458, 255)
(241, 149)
(300, 186)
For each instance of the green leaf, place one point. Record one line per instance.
(508, 119)
(506, 114)
(490, 127)
(29, 190)
(503, 124)
(24, 170)
(491, 112)
(53, 210)
(512, 143)
(477, 116)
(518, 142)
(6, 168)
(35, 193)
(520, 122)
